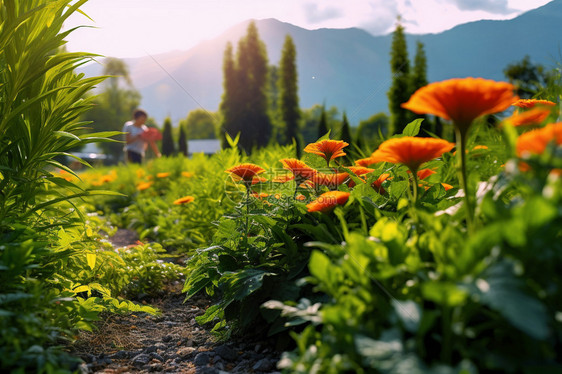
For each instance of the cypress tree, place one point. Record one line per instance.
(252, 73)
(400, 89)
(345, 134)
(419, 79)
(288, 92)
(322, 124)
(182, 142)
(419, 70)
(228, 107)
(167, 138)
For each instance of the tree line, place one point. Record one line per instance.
(261, 103)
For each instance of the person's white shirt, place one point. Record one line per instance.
(139, 145)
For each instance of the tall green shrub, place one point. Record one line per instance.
(244, 104)
(41, 103)
(288, 91)
(168, 148)
(182, 142)
(400, 89)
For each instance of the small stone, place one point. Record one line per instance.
(202, 359)
(155, 367)
(141, 359)
(150, 349)
(156, 356)
(219, 365)
(226, 352)
(121, 355)
(167, 338)
(263, 365)
(185, 351)
(207, 370)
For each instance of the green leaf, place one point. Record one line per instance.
(444, 293)
(499, 289)
(239, 285)
(409, 313)
(91, 259)
(413, 128)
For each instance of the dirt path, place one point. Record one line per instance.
(170, 343)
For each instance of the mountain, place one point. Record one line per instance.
(347, 68)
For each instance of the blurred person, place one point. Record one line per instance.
(136, 140)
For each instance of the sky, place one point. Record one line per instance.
(134, 28)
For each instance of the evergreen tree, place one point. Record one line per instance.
(167, 138)
(419, 79)
(322, 124)
(229, 106)
(288, 92)
(419, 70)
(182, 142)
(252, 71)
(244, 103)
(345, 133)
(400, 89)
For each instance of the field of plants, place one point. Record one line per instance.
(424, 256)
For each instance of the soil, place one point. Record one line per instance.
(172, 342)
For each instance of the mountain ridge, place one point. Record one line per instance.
(348, 68)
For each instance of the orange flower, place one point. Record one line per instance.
(184, 200)
(532, 116)
(163, 175)
(531, 103)
(536, 141)
(260, 195)
(107, 178)
(327, 201)
(377, 185)
(462, 100)
(364, 162)
(186, 174)
(424, 173)
(298, 168)
(283, 178)
(66, 175)
(328, 149)
(411, 151)
(446, 186)
(358, 171)
(300, 198)
(246, 172)
(330, 180)
(143, 186)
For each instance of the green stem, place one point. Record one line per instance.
(446, 348)
(415, 187)
(247, 209)
(413, 194)
(461, 169)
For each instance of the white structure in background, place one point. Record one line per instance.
(206, 146)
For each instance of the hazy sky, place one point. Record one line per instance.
(130, 28)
